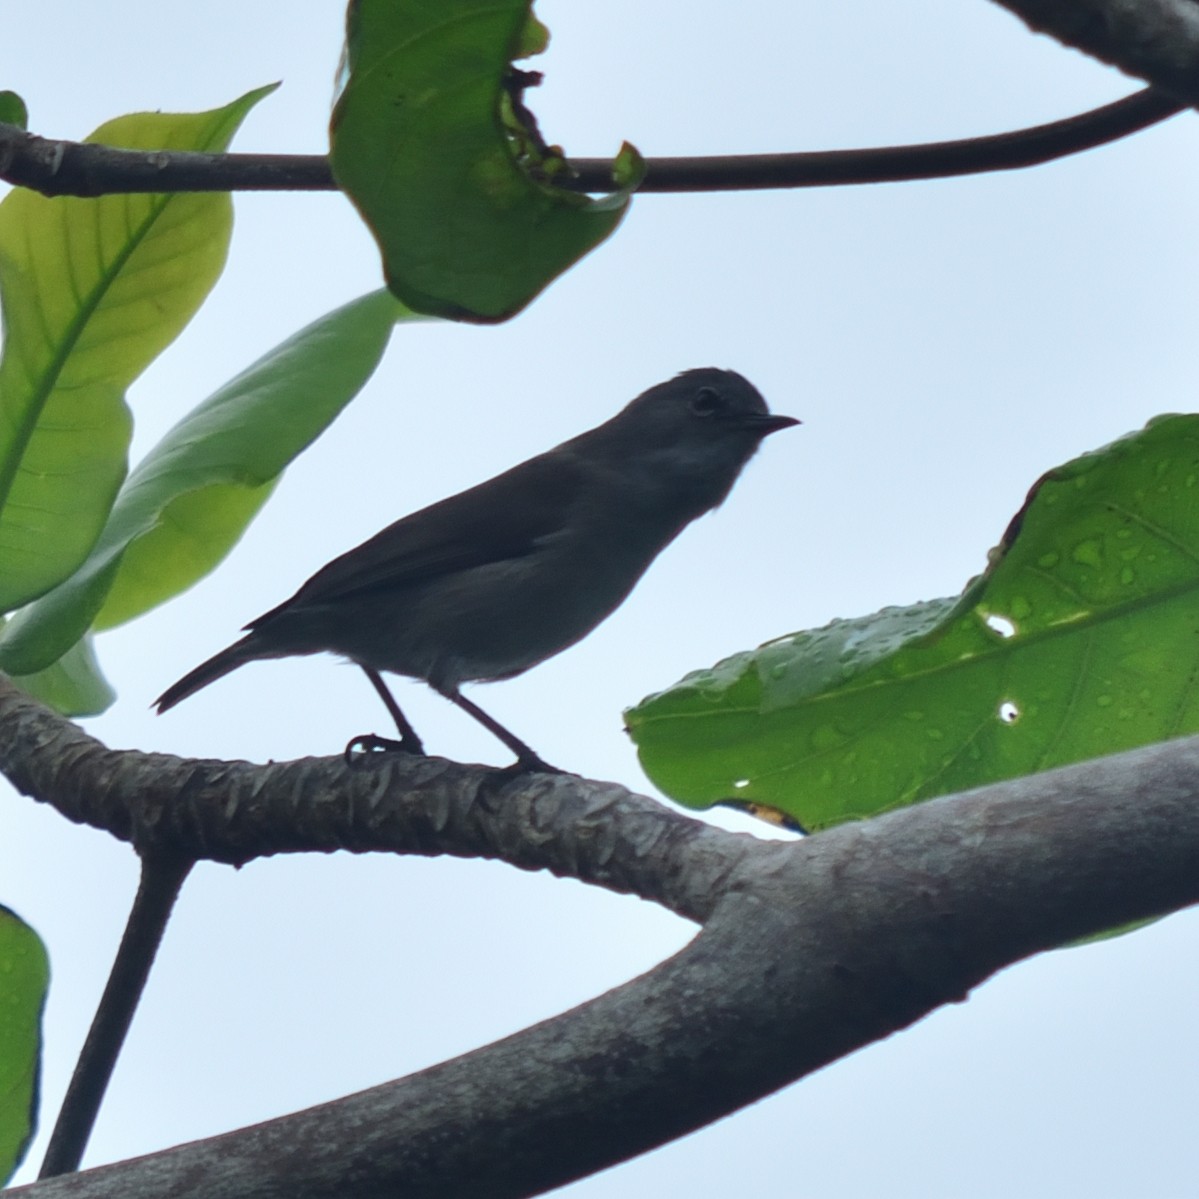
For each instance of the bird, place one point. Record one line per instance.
(487, 583)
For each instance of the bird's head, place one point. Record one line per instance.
(692, 434)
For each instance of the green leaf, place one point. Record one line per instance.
(187, 504)
(1078, 641)
(24, 977)
(74, 685)
(628, 167)
(13, 110)
(93, 291)
(534, 37)
(446, 167)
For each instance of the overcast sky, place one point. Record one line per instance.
(944, 344)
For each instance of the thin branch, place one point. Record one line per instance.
(1155, 40)
(60, 168)
(65, 168)
(893, 164)
(161, 879)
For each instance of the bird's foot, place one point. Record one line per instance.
(495, 782)
(530, 763)
(360, 749)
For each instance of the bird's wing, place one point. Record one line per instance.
(503, 519)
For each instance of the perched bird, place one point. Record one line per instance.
(486, 583)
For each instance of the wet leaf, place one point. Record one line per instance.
(1078, 640)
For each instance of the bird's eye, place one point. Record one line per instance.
(705, 402)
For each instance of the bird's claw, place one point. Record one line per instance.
(359, 749)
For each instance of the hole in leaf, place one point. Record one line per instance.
(1001, 625)
(1009, 713)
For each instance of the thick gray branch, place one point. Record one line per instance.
(809, 949)
(1156, 40)
(236, 811)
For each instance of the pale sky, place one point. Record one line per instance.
(944, 343)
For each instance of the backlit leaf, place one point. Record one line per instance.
(92, 290)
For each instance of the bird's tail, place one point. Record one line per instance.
(238, 654)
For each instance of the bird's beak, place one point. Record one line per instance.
(769, 422)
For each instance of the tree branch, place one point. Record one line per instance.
(161, 880)
(1020, 148)
(809, 949)
(1156, 40)
(61, 168)
(236, 811)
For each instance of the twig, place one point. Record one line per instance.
(161, 878)
(64, 168)
(894, 164)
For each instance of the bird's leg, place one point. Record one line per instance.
(408, 738)
(409, 742)
(526, 759)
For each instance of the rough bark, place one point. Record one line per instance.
(808, 950)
